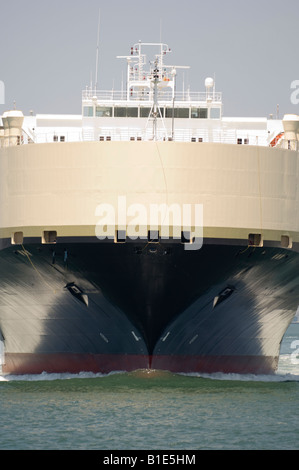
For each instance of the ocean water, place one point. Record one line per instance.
(152, 410)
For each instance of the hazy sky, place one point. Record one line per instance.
(48, 49)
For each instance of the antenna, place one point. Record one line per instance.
(97, 53)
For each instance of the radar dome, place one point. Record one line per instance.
(209, 82)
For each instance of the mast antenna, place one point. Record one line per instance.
(97, 53)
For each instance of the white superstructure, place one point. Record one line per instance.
(149, 107)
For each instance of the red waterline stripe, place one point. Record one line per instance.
(214, 364)
(21, 364)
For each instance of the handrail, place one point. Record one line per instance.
(181, 135)
(146, 96)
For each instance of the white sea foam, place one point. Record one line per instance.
(50, 377)
(278, 377)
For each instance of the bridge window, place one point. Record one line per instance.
(144, 112)
(183, 112)
(178, 112)
(103, 111)
(125, 112)
(132, 112)
(88, 111)
(215, 113)
(120, 112)
(199, 113)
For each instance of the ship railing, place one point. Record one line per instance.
(180, 135)
(164, 134)
(49, 137)
(91, 134)
(147, 96)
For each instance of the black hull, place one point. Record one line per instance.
(224, 308)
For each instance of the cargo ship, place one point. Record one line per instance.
(148, 232)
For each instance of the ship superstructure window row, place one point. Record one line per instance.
(167, 112)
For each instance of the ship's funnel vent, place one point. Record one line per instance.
(12, 124)
(291, 130)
